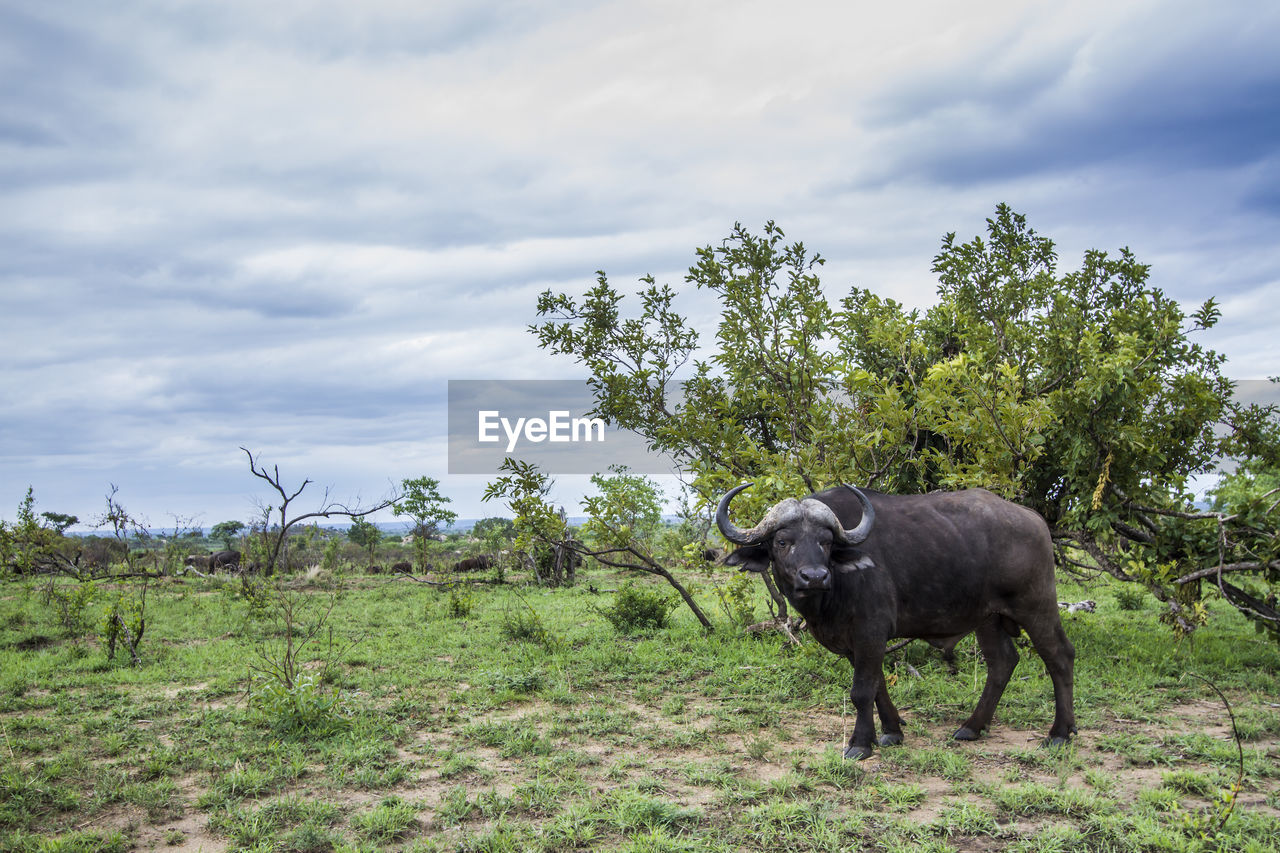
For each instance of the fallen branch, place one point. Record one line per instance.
(783, 626)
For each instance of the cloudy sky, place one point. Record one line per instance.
(287, 225)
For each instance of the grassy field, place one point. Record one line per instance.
(515, 718)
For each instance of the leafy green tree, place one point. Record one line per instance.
(497, 536)
(623, 524)
(623, 521)
(495, 529)
(226, 531)
(1245, 503)
(365, 534)
(1250, 482)
(537, 524)
(59, 521)
(421, 501)
(1080, 394)
(28, 546)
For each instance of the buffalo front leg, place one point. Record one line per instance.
(868, 681)
(1001, 656)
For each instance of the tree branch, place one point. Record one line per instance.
(1229, 567)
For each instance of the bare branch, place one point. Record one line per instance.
(1191, 516)
(1089, 545)
(328, 509)
(1229, 567)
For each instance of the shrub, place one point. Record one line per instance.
(1131, 597)
(526, 626)
(390, 820)
(70, 604)
(461, 601)
(736, 597)
(304, 707)
(635, 608)
(124, 623)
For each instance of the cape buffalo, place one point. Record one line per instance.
(866, 567)
(229, 560)
(472, 564)
(198, 562)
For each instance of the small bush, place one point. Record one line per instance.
(1131, 598)
(737, 598)
(305, 707)
(635, 608)
(70, 605)
(390, 820)
(332, 556)
(123, 624)
(461, 601)
(526, 626)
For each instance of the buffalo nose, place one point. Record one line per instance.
(814, 577)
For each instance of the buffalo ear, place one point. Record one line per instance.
(852, 557)
(749, 558)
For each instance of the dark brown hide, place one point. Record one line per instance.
(225, 560)
(933, 567)
(472, 564)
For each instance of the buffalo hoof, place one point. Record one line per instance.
(857, 753)
(891, 738)
(1055, 742)
(965, 733)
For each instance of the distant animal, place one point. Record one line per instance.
(863, 567)
(228, 559)
(713, 555)
(472, 564)
(403, 566)
(1078, 607)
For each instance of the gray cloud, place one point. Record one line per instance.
(288, 227)
(1161, 88)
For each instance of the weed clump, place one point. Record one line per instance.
(304, 706)
(461, 602)
(637, 609)
(1130, 598)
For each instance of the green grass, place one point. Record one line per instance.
(525, 721)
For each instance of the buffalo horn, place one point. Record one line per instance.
(863, 530)
(727, 528)
(786, 512)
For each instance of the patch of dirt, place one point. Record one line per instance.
(177, 690)
(132, 822)
(193, 831)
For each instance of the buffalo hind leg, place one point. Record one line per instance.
(1059, 659)
(1001, 656)
(890, 722)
